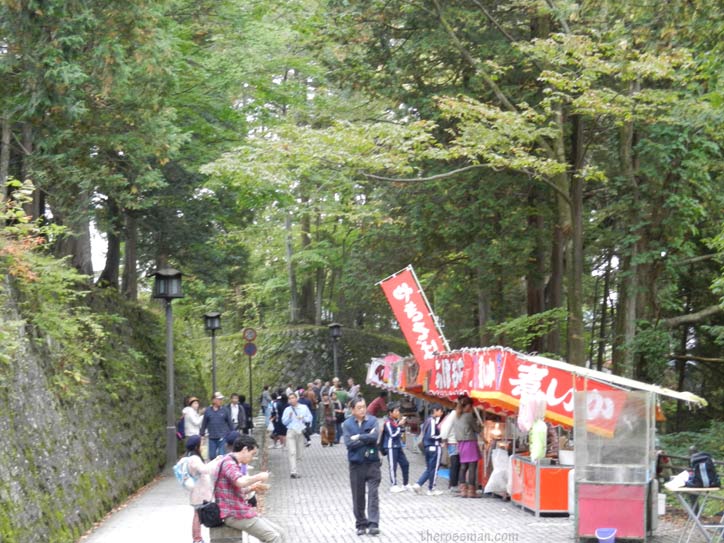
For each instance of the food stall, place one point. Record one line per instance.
(614, 418)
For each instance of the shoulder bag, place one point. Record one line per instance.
(209, 513)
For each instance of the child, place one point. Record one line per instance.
(392, 442)
(431, 443)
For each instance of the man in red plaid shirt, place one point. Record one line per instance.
(233, 488)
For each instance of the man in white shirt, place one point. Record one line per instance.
(295, 417)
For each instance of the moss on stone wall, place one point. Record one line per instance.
(72, 452)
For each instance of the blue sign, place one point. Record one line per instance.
(249, 349)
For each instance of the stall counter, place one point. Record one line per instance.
(539, 487)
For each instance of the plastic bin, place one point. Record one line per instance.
(606, 535)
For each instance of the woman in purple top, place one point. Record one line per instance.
(466, 430)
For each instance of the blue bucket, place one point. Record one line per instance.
(606, 535)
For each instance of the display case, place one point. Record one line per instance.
(614, 462)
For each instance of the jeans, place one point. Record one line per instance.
(216, 447)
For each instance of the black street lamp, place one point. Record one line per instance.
(212, 323)
(335, 332)
(167, 286)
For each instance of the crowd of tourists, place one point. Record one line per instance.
(218, 441)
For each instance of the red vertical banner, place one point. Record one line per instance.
(415, 318)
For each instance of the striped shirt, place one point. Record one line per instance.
(232, 499)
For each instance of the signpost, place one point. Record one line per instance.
(250, 350)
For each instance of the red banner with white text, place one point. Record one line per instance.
(505, 379)
(415, 319)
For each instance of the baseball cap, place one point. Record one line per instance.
(218, 395)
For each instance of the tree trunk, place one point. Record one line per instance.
(109, 275)
(77, 243)
(293, 299)
(34, 209)
(576, 346)
(5, 134)
(130, 259)
(623, 360)
(535, 273)
(306, 299)
(483, 310)
(604, 316)
(318, 296)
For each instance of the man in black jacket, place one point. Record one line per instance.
(360, 437)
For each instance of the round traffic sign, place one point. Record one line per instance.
(249, 349)
(249, 334)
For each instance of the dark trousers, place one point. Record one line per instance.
(396, 458)
(454, 470)
(365, 477)
(432, 464)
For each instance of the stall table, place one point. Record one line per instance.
(694, 508)
(539, 487)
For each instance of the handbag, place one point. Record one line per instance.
(209, 513)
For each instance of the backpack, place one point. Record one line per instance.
(704, 472)
(180, 429)
(181, 471)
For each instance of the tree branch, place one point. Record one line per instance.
(452, 173)
(694, 358)
(692, 318)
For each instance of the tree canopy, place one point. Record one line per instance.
(552, 168)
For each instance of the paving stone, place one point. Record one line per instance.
(318, 507)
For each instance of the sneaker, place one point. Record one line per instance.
(397, 488)
(434, 492)
(373, 530)
(410, 488)
(416, 488)
(361, 531)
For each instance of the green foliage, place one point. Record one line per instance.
(519, 333)
(709, 439)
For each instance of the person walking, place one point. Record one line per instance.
(328, 431)
(295, 417)
(467, 429)
(447, 434)
(192, 417)
(338, 409)
(360, 437)
(237, 414)
(279, 435)
(304, 400)
(431, 441)
(217, 423)
(264, 402)
(249, 423)
(234, 487)
(353, 389)
(392, 442)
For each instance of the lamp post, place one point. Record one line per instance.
(335, 332)
(212, 323)
(167, 286)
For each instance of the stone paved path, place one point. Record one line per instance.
(318, 508)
